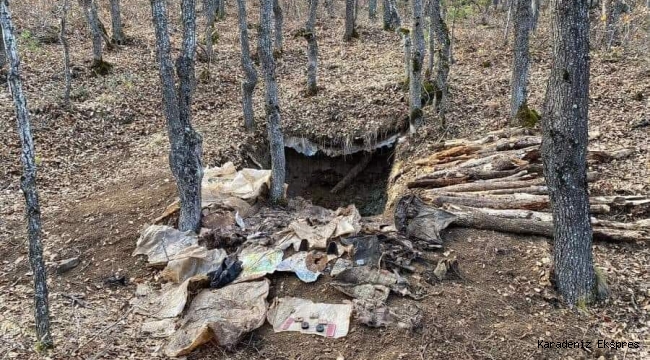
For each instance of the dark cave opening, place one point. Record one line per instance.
(313, 177)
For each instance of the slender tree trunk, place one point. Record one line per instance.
(535, 9)
(249, 83)
(350, 31)
(185, 143)
(417, 61)
(66, 55)
(28, 181)
(116, 23)
(391, 17)
(329, 6)
(93, 21)
(3, 55)
(210, 11)
(506, 31)
(611, 12)
(312, 49)
(372, 10)
(272, 106)
(443, 58)
(278, 20)
(564, 151)
(432, 42)
(221, 9)
(408, 45)
(521, 59)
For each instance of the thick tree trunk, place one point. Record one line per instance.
(116, 23)
(67, 76)
(442, 59)
(350, 31)
(28, 181)
(372, 10)
(417, 60)
(312, 49)
(564, 151)
(93, 21)
(273, 125)
(249, 83)
(277, 20)
(210, 11)
(391, 17)
(185, 143)
(521, 59)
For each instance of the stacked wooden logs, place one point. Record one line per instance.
(497, 183)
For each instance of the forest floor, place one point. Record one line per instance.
(103, 176)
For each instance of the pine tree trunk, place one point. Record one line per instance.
(28, 181)
(521, 59)
(564, 151)
(249, 83)
(210, 11)
(276, 139)
(416, 60)
(66, 55)
(350, 31)
(185, 143)
(116, 23)
(312, 49)
(443, 57)
(372, 10)
(278, 19)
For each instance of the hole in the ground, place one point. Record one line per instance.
(313, 178)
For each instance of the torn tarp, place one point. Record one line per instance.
(168, 302)
(195, 260)
(295, 314)
(221, 183)
(258, 261)
(307, 266)
(421, 222)
(221, 315)
(163, 243)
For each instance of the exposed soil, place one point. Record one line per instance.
(103, 175)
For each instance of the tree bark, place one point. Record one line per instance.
(67, 76)
(3, 55)
(350, 31)
(312, 49)
(276, 139)
(250, 81)
(28, 181)
(443, 57)
(278, 20)
(210, 12)
(611, 11)
(432, 43)
(372, 10)
(329, 6)
(521, 59)
(93, 21)
(116, 23)
(221, 9)
(564, 151)
(185, 143)
(391, 17)
(416, 117)
(408, 45)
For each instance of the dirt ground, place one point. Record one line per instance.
(103, 176)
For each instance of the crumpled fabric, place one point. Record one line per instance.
(222, 315)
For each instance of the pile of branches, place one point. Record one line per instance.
(497, 183)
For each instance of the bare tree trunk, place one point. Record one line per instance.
(506, 31)
(329, 6)
(611, 12)
(185, 143)
(249, 83)
(3, 55)
(372, 10)
(391, 18)
(210, 12)
(416, 60)
(521, 59)
(432, 42)
(564, 151)
(99, 66)
(278, 19)
(66, 55)
(116, 23)
(28, 181)
(535, 9)
(350, 31)
(443, 58)
(272, 106)
(221, 9)
(312, 49)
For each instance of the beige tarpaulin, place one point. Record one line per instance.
(258, 261)
(221, 183)
(195, 260)
(345, 222)
(288, 313)
(222, 315)
(163, 243)
(168, 302)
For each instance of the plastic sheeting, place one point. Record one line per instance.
(257, 262)
(222, 315)
(195, 261)
(221, 183)
(161, 243)
(288, 313)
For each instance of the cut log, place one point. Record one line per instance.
(484, 186)
(530, 202)
(533, 190)
(436, 183)
(519, 143)
(599, 208)
(356, 170)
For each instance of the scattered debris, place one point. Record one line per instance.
(226, 272)
(377, 314)
(116, 280)
(305, 266)
(372, 292)
(258, 261)
(295, 314)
